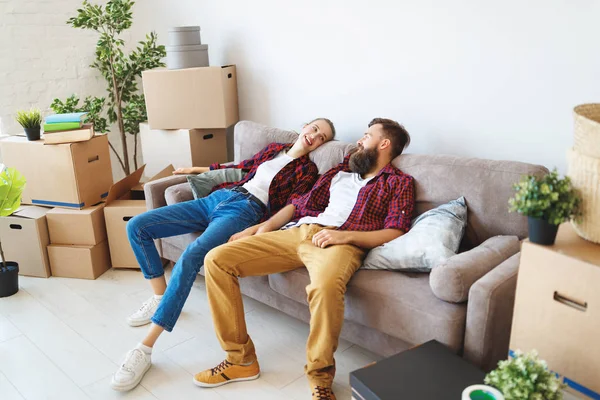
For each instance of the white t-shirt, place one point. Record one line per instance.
(259, 184)
(343, 194)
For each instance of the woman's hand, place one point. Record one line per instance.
(183, 171)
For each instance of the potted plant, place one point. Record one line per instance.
(12, 184)
(525, 377)
(31, 121)
(547, 202)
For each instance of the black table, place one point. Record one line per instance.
(430, 371)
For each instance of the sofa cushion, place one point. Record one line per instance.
(202, 184)
(178, 193)
(330, 154)
(250, 138)
(486, 185)
(398, 304)
(433, 238)
(452, 280)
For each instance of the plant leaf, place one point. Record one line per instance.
(12, 184)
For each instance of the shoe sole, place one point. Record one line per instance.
(138, 323)
(213, 385)
(131, 385)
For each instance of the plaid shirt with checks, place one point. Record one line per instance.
(387, 201)
(295, 179)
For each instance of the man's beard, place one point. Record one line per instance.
(363, 161)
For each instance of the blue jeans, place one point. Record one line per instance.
(220, 215)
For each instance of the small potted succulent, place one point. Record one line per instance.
(525, 377)
(12, 184)
(31, 121)
(547, 202)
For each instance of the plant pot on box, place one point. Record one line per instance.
(9, 279)
(32, 133)
(541, 231)
(547, 201)
(31, 121)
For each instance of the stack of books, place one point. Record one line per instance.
(67, 128)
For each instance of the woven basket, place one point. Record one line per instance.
(587, 129)
(584, 172)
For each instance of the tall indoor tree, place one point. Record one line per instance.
(124, 104)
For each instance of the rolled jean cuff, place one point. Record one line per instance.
(166, 327)
(153, 276)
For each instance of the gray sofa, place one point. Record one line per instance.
(465, 303)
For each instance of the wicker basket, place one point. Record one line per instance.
(587, 129)
(585, 175)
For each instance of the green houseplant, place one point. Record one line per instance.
(31, 121)
(547, 201)
(125, 104)
(12, 184)
(525, 377)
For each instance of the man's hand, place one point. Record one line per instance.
(328, 237)
(245, 233)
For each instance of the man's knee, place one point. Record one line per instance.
(325, 288)
(213, 258)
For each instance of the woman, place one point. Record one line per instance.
(274, 175)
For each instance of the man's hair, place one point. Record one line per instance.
(328, 123)
(395, 132)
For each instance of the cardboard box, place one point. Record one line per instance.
(77, 227)
(24, 239)
(557, 308)
(190, 98)
(120, 208)
(184, 147)
(72, 175)
(83, 262)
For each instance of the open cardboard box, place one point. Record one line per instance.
(125, 200)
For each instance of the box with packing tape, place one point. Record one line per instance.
(557, 309)
(72, 175)
(126, 200)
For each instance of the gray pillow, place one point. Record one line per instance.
(202, 184)
(434, 237)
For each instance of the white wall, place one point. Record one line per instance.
(492, 79)
(43, 58)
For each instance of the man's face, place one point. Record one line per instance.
(314, 135)
(365, 158)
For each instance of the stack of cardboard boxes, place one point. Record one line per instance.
(191, 114)
(74, 177)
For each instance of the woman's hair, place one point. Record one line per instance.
(328, 123)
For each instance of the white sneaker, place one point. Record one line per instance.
(131, 372)
(145, 313)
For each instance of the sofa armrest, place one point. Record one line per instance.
(451, 280)
(155, 190)
(489, 315)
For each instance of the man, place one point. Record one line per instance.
(275, 175)
(358, 205)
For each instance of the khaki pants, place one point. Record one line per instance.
(330, 269)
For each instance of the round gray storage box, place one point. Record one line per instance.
(179, 57)
(184, 36)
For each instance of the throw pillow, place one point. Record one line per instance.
(202, 184)
(434, 237)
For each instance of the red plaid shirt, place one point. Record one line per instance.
(387, 201)
(295, 179)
